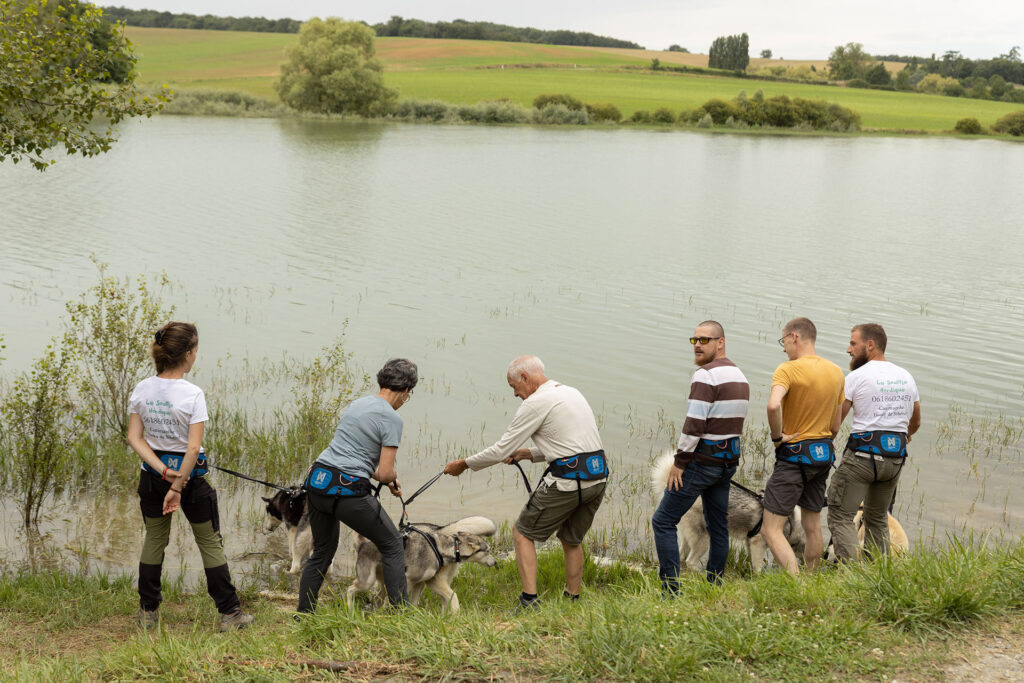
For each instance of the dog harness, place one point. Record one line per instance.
(330, 481)
(810, 452)
(173, 461)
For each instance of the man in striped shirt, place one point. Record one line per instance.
(707, 455)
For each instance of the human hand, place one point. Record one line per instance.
(171, 475)
(518, 456)
(456, 467)
(675, 479)
(395, 488)
(172, 501)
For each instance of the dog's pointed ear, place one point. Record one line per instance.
(266, 500)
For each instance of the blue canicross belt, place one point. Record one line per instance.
(173, 461)
(330, 481)
(581, 467)
(878, 442)
(721, 449)
(809, 452)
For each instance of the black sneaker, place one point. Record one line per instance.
(569, 596)
(525, 605)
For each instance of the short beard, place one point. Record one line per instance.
(858, 361)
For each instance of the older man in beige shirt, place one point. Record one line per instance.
(564, 433)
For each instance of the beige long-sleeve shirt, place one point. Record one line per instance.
(561, 424)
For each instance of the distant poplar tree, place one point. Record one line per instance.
(730, 52)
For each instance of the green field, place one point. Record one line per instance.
(466, 72)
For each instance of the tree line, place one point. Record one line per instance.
(151, 18)
(484, 30)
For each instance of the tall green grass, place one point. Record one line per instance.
(887, 618)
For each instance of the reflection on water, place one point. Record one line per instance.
(462, 247)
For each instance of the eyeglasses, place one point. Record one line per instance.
(408, 396)
(782, 339)
(702, 340)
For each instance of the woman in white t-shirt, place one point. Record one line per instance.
(165, 428)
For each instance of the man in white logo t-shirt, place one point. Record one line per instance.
(886, 413)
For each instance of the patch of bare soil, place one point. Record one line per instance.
(988, 658)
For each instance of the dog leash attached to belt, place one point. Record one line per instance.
(248, 478)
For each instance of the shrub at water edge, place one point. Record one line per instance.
(968, 126)
(570, 102)
(604, 111)
(1011, 124)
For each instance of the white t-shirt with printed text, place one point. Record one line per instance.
(883, 397)
(167, 408)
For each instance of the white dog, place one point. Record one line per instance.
(745, 513)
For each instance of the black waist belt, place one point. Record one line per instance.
(809, 452)
(173, 460)
(330, 481)
(878, 442)
(581, 467)
(723, 450)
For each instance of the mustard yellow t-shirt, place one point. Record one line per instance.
(814, 387)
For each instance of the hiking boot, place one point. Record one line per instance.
(525, 605)
(235, 620)
(148, 619)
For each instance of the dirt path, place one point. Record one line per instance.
(990, 658)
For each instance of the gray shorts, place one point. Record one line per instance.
(549, 510)
(786, 488)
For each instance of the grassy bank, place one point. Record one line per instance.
(883, 620)
(467, 72)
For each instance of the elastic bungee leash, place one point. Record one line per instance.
(526, 481)
(406, 527)
(293, 490)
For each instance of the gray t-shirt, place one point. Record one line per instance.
(369, 424)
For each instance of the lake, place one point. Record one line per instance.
(461, 247)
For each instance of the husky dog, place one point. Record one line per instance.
(289, 507)
(898, 541)
(461, 541)
(745, 513)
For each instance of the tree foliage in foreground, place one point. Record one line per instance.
(333, 70)
(56, 81)
(730, 52)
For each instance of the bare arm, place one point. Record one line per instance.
(138, 443)
(842, 410)
(915, 420)
(195, 442)
(775, 414)
(385, 472)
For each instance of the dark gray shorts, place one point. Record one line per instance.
(786, 488)
(549, 510)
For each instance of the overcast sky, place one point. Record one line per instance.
(794, 29)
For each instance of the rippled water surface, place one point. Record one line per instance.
(462, 247)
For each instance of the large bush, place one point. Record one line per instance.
(604, 111)
(968, 126)
(559, 114)
(779, 111)
(1011, 124)
(566, 100)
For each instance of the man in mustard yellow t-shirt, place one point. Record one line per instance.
(804, 415)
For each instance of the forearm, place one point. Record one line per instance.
(775, 420)
(522, 427)
(146, 454)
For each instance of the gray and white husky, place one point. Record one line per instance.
(745, 512)
(458, 542)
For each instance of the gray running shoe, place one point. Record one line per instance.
(235, 620)
(148, 619)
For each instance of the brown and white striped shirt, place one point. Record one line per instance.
(719, 394)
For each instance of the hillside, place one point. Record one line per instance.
(468, 71)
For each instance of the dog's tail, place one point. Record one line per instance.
(659, 472)
(480, 526)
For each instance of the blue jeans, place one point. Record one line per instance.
(711, 484)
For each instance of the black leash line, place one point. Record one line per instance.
(247, 477)
(526, 481)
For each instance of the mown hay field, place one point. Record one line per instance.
(466, 72)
